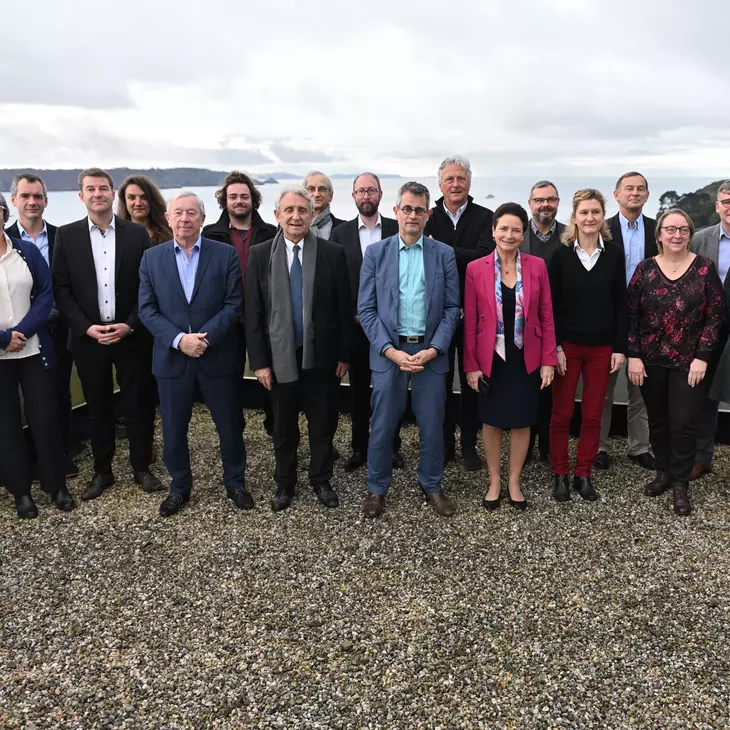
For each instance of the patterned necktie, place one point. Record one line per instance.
(295, 288)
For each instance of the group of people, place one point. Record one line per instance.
(523, 307)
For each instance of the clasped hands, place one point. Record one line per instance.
(108, 334)
(411, 363)
(17, 342)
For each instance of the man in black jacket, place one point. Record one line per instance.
(298, 313)
(29, 195)
(467, 227)
(354, 237)
(241, 226)
(96, 285)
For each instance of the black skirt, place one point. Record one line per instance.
(513, 395)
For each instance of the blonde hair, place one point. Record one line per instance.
(570, 236)
(660, 224)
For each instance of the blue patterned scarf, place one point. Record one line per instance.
(499, 345)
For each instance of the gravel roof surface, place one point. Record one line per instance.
(581, 615)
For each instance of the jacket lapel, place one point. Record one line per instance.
(429, 269)
(172, 273)
(203, 261)
(489, 282)
(526, 284)
(119, 247)
(86, 253)
(392, 269)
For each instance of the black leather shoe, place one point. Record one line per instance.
(398, 461)
(241, 498)
(326, 495)
(357, 459)
(491, 504)
(63, 500)
(25, 507)
(561, 492)
(449, 453)
(680, 494)
(658, 485)
(97, 485)
(584, 487)
(148, 481)
(282, 499)
(645, 461)
(602, 461)
(471, 459)
(70, 467)
(173, 504)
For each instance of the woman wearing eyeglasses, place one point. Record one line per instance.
(675, 314)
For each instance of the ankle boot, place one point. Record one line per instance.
(682, 504)
(658, 485)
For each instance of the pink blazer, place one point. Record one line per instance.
(480, 315)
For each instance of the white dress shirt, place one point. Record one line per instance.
(290, 252)
(589, 261)
(104, 248)
(16, 285)
(369, 235)
(455, 218)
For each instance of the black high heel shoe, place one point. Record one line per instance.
(518, 504)
(491, 504)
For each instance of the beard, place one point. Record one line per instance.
(240, 213)
(367, 208)
(546, 216)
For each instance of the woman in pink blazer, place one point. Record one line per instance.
(509, 345)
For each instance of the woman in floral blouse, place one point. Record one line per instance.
(675, 313)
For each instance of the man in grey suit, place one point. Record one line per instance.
(714, 243)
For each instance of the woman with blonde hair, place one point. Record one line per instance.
(588, 283)
(140, 201)
(675, 314)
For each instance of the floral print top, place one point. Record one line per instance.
(673, 322)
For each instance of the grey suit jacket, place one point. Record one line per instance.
(707, 243)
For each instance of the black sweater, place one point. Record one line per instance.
(590, 307)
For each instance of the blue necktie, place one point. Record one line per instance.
(295, 288)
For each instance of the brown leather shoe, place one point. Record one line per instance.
(658, 485)
(374, 505)
(682, 505)
(441, 504)
(699, 470)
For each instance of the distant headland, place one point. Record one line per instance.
(173, 177)
(699, 206)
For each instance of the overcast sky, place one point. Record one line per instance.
(523, 87)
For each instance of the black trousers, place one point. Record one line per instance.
(312, 393)
(541, 428)
(460, 409)
(41, 412)
(132, 360)
(360, 393)
(266, 398)
(674, 409)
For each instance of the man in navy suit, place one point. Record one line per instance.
(408, 306)
(190, 299)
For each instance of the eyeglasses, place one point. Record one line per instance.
(671, 230)
(322, 189)
(362, 192)
(725, 203)
(408, 210)
(542, 201)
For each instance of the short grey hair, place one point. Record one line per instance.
(544, 184)
(28, 177)
(724, 188)
(372, 174)
(459, 160)
(186, 194)
(317, 172)
(295, 190)
(4, 209)
(414, 188)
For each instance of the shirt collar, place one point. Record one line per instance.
(25, 234)
(458, 212)
(361, 223)
(625, 224)
(290, 244)
(402, 245)
(722, 233)
(93, 225)
(195, 245)
(600, 247)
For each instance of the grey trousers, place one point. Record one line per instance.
(637, 421)
(706, 428)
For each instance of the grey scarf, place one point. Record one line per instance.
(281, 320)
(322, 224)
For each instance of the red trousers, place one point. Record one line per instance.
(594, 364)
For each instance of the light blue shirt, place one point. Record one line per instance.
(41, 242)
(412, 290)
(633, 243)
(187, 268)
(723, 256)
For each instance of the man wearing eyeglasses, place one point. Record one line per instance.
(467, 227)
(355, 236)
(408, 307)
(542, 238)
(321, 190)
(635, 233)
(714, 243)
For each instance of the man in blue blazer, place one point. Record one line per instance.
(408, 306)
(190, 299)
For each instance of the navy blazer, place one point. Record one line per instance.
(377, 302)
(41, 303)
(215, 306)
